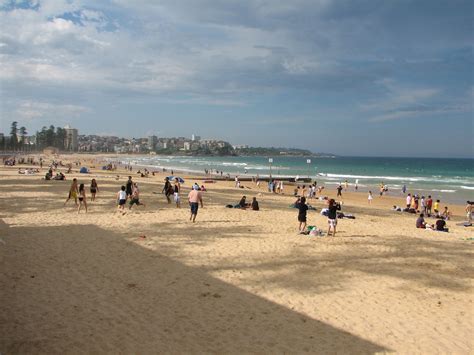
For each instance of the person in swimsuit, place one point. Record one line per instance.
(72, 192)
(370, 197)
(135, 197)
(82, 198)
(94, 189)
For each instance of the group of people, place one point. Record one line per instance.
(332, 208)
(77, 192)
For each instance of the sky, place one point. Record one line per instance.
(349, 77)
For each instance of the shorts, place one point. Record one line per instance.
(134, 201)
(176, 197)
(122, 202)
(301, 219)
(332, 222)
(194, 207)
(73, 195)
(93, 191)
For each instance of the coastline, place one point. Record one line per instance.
(236, 280)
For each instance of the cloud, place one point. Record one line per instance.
(31, 110)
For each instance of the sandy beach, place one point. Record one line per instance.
(236, 281)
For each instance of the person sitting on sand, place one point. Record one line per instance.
(82, 198)
(243, 203)
(420, 222)
(446, 215)
(302, 211)
(441, 225)
(396, 208)
(202, 188)
(121, 198)
(255, 206)
(72, 192)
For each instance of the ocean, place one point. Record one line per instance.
(451, 180)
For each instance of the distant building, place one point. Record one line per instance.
(187, 146)
(71, 142)
(152, 141)
(195, 138)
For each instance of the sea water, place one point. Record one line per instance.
(451, 180)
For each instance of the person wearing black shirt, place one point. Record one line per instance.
(441, 225)
(255, 204)
(339, 190)
(302, 209)
(332, 217)
(167, 190)
(129, 185)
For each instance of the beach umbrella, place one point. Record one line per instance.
(171, 178)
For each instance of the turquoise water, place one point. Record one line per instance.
(448, 179)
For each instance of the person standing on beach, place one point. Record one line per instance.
(469, 213)
(370, 197)
(423, 205)
(429, 205)
(121, 198)
(82, 198)
(129, 187)
(72, 192)
(332, 217)
(404, 189)
(194, 198)
(94, 189)
(302, 210)
(408, 201)
(339, 190)
(346, 185)
(177, 190)
(167, 189)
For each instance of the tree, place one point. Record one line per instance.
(23, 134)
(60, 138)
(50, 136)
(13, 135)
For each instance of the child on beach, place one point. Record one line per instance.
(121, 198)
(302, 210)
(72, 192)
(370, 197)
(94, 189)
(82, 198)
(436, 208)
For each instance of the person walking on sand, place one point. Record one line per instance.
(469, 213)
(177, 190)
(194, 198)
(339, 190)
(370, 197)
(121, 198)
(82, 198)
(94, 189)
(129, 187)
(332, 217)
(72, 192)
(302, 211)
(135, 197)
(167, 189)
